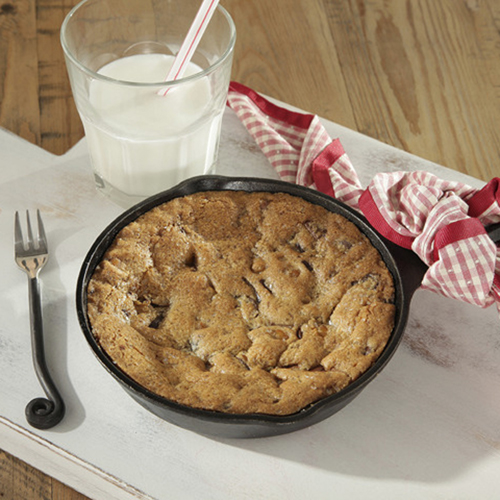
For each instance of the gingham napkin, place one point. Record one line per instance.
(443, 222)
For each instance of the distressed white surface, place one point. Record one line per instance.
(427, 427)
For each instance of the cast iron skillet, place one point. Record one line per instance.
(407, 270)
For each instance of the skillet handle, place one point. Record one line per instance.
(411, 267)
(493, 231)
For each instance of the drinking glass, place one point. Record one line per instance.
(146, 134)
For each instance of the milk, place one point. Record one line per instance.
(142, 142)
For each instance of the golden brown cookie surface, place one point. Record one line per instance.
(242, 302)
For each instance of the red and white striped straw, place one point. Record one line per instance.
(191, 41)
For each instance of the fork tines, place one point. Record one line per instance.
(40, 243)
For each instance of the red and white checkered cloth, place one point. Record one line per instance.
(443, 222)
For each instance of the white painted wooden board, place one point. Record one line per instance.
(427, 427)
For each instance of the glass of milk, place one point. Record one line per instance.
(118, 54)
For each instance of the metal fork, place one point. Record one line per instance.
(31, 255)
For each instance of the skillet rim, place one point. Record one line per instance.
(276, 424)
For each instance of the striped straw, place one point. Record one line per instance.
(191, 41)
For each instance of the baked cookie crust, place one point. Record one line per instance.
(242, 302)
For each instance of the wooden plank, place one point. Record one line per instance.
(19, 110)
(288, 52)
(60, 126)
(424, 76)
(19, 481)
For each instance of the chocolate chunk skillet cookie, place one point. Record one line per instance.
(242, 302)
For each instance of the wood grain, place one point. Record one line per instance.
(421, 75)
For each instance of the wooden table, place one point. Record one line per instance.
(421, 75)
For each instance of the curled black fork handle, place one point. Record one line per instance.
(42, 413)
